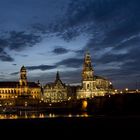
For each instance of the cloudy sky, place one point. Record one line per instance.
(50, 35)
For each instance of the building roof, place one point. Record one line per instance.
(33, 84)
(14, 84)
(9, 84)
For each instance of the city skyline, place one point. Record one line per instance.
(47, 36)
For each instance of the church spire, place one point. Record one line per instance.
(58, 80)
(57, 76)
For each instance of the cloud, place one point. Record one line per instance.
(14, 64)
(98, 18)
(80, 52)
(41, 67)
(39, 28)
(60, 50)
(66, 76)
(112, 27)
(16, 41)
(14, 73)
(20, 40)
(71, 62)
(5, 57)
(22, 55)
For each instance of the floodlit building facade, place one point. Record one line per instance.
(15, 89)
(92, 85)
(57, 91)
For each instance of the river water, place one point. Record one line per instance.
(33, 114)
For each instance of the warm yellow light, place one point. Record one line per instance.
(85, 114)
(84, 104)
(41, 115)
(33, 116)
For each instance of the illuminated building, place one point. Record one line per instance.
(15, 89)
(92, 85)
(55, 92)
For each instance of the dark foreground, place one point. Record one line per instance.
(71, 123)
(72, 128)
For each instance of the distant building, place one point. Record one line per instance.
(92, 85)
(15, 89)
(55, 92)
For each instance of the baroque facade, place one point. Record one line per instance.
(92, 85)
(55, 92)
(15, 89)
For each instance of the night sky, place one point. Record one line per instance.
(50, 35)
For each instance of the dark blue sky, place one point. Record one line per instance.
(51, 35)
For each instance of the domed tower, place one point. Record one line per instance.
(23, 76)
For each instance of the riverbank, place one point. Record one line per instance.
(119, 104)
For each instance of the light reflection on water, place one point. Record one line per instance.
(32, 115)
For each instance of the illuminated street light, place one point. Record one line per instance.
(126, 89)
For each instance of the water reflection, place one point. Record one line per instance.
(33, 115)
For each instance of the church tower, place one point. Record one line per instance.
(87, 76)
(88, 72)
(23, 76)
(92, 85)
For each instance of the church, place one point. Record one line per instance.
(16, 89)
(92, 85)
(56, 91)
